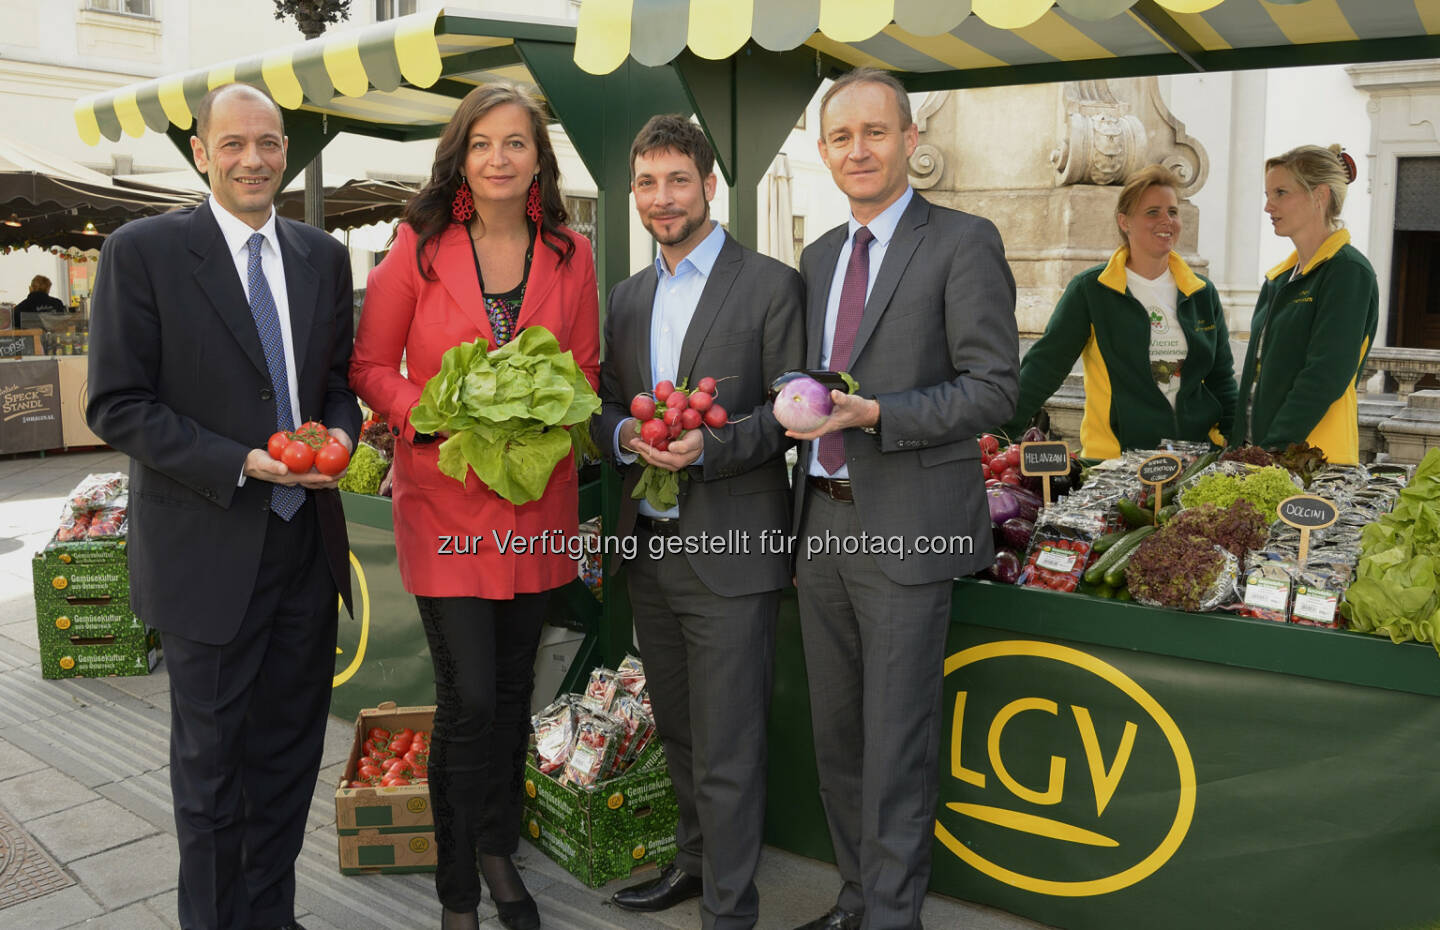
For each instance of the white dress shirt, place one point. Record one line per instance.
(883, 229)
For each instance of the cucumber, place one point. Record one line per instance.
(1167, 512)
(1133, 516)
(1123, 594)
(1108, 540)
(1115, 573)
(1095, 574)
(1104, 590)
(1203, 462)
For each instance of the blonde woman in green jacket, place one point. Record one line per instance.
(1151, 334)
(1316, 316)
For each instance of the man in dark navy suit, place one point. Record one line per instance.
(212, 328)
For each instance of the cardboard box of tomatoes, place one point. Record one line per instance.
(387, 827)
(605, 831)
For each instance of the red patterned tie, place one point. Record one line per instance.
(847, 325)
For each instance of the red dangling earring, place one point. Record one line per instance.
(463, 207)
(533, 207)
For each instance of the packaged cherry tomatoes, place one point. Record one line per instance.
(1056, 559)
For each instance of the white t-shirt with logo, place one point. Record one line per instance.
(1168, 347)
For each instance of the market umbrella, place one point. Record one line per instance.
(781, 219)
(49, 201)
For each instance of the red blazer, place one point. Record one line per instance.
(448, 536)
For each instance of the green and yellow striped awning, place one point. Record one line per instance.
(401, 78)
(972, 42)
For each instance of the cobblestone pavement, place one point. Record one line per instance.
(83, 772)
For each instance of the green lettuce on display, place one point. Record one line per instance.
(1265, 488)
(506, 411)
(1394, 592)
(367, 469)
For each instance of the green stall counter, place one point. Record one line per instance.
(1108, 765)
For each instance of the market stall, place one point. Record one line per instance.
(1105, 764)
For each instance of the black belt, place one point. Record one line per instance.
(837, 489)
(663, 525)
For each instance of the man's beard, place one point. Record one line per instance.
(686, 230)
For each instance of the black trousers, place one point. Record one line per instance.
(247, 729)
(484, 657)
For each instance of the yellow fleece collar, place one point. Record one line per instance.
(1332, 244)
(1113, 277)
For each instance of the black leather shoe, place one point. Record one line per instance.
(673, 886)
(835, 919)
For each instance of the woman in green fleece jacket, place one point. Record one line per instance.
(1316, 315)
(1151, 334)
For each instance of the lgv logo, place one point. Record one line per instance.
(1066, 777)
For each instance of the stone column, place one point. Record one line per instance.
(1246, 198)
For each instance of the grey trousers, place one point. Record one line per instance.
(709, 666)
(874, 655)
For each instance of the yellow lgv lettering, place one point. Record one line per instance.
(1056, 789)
(1104, 779)
(1131, 865)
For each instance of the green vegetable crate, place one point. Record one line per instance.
(385, 830)
(603, 833)
(82, 609)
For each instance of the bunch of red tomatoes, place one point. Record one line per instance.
(309, 446)
(390, 759)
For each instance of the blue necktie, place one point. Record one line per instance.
(285, 500)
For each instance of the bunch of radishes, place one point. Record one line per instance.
(670, 411)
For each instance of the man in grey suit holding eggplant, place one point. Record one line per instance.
(917, 303)
(707, 572)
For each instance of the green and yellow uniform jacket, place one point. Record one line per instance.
(1308, 341)
(1101, 322)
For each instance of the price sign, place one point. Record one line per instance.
(14, 346)
(1156, 471)
(1306, 512)
(1044, 459)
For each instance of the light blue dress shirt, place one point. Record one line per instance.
(676, 297)
(883, 229)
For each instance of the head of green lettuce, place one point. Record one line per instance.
(506, 412)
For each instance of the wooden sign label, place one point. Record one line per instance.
(1158, 469)
(1307, 512)
(1044, 458)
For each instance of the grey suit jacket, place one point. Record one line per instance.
(938, 348)
(178, 382)
(748, 328)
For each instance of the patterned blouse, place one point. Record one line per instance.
(504, 309)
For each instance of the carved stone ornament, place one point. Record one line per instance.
(928, 161)
(1104, 143)
(1114, 128)
(1179, 151)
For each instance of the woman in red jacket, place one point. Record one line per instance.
(482, 253)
